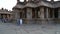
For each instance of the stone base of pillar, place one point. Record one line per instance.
(29, 21)
(44, 22)
(32, 21)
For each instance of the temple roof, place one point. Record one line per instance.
(47, 4)
(56, 4)
(19, 5)
(5, 11)
(31, 4)
(38, 4)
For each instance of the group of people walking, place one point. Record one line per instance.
(19, 21)
(5, 20)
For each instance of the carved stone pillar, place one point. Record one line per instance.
(53, 12)
(47, 13)
(42, 12)
(42, 15)
(16, 14)
(35, 13)
(39, 14)
(29, 13)
(7, 16)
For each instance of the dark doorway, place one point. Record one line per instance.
(56, 13)
(33, 13)
(51, 13)
(20, 14)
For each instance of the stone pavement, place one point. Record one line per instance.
(8, 28)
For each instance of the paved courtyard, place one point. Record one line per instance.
(9, 28)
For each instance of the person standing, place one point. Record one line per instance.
(21, 21)
(18, 22)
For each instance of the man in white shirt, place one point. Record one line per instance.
(20, 21)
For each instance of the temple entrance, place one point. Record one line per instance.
(56, 16)
(54, 13)
(35, 13)
(23, 15)
(5, 17)
(51, 13)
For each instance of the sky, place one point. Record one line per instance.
(8, 4)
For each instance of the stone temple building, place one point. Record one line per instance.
(37, 11)
(5, 14)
